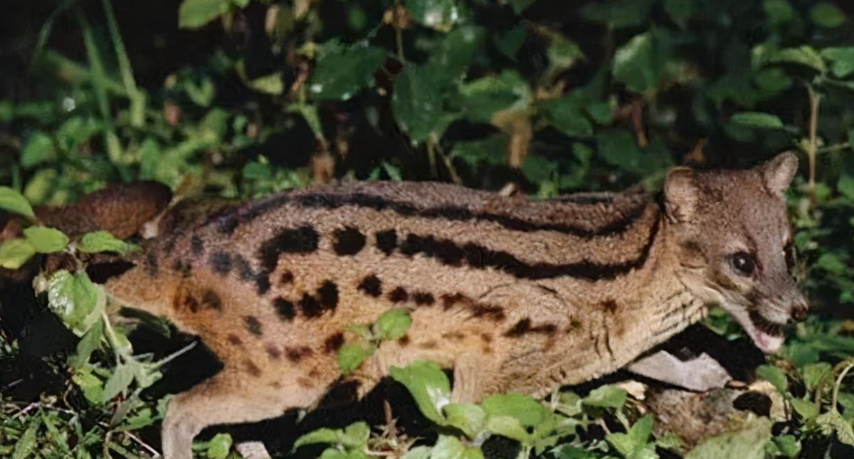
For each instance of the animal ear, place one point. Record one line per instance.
(779, 172)
(680, 194)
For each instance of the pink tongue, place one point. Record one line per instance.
(767, 343)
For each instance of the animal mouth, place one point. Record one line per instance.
(767, 335)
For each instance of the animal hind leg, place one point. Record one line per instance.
(226, 398)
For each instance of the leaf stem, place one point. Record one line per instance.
(812, 146)
(839, 383)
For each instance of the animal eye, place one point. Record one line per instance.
(743, 263)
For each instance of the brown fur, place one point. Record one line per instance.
(513, 294)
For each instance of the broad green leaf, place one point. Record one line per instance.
(356, 435)
(562, 52)
(219, 446)
(567, 451)
(448, 447)
(618, 13)
(511, 42)
(522, 407)
(341, 73)
(428, 385)
(786, 445)
(827, 15)
(91, 385)
(417, 104)
(779, 12)
(75, 299)
(566, 114)
(491, 150)
(195, 13)
(392, 324)
(803, 56)
(757, 120)
(815, 373)
(27, 443)
(119, 381)
(87, 345)
(639, 63)
(832, 422)
(41, 185)
(268, 84)
(775, 376)
(77, 130)
(450, 59)
(483, 97)
(14, 202)
(46, 240)
(467, 417)
(746, 443)
(352, 355)
(37, 149)
(508, 426)
(440, 15)
(606, 397)
(631, 444)
(520, 5)
(841, 60)
(831, 263)
(103, 241)
(805, 408)
(15, 252)
(323, 435)
(418, 452)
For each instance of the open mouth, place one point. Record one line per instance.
(766, 334)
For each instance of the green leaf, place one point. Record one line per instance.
(832, 422)
(841, 60)
(618, 14)
(631, 444)
(440, 15)
(428, 385)
(219, 446)
(831, 263)
(786, 445)
(77, 130)
(490, 151)
(15, 202)
(353, 437)
(86, 346)
(484, 97)
(511, 42)
(268, 84)
(467, 417)
(418, 452)
(15, 252)
(520, 5)
(450, 59)
(448, 447)
(119, 381)
(826, 14)
(195, 13)
(92, 387)
(37, 149)
(324, 435)
(392, 324)
(567, 451)
(779, 12)
(639, 63)
(75, 299)
(351, 355)
(510, 427)
(804, 56)
(566, 114)
(747, 443)
(103, 241)
(522, 407)
(341, 74)
(757, 120)
(27, 443)
(805, 408)
(815, 373)
(775, 376)
(417, 104)
(606, 397)
(46, 240)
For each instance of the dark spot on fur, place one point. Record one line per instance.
(448, 300)
(183, 269)
(609, 305)
(387, 241)
(305, 383)
(286, 278)
(756, 402)
(398, 295)
(445, 251)
(487, 338)
(454, 335)
(252, 368)
(262, 282)
(348, 241)
(295, 354)
(211, 300)
(403, 341)
(523, 327)
(284, 308)
(371, 285)
(309, 306)
(291, 240)
(495, 313)
(234, 340)
(151, 263)
(221, 262)
(327, 294)
(423, 298)
(190, 302)
(274, 352)
(428, 345)
(102, 272)
(197, 246)
(253, 325)
(244, 271)
(333, 342)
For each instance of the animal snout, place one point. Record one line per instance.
(799, 311)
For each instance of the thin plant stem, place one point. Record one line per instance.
(812, 146)
(839, 384)
(121, 53)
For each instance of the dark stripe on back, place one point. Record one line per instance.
(478, 256)
(348, 241)
(291, 240)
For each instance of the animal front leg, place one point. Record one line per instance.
(700, 373)
(469, 373)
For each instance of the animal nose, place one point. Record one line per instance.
(799, 312)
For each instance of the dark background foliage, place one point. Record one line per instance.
(243, 98)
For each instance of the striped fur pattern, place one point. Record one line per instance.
(513, 294)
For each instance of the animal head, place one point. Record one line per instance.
(734, 243)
